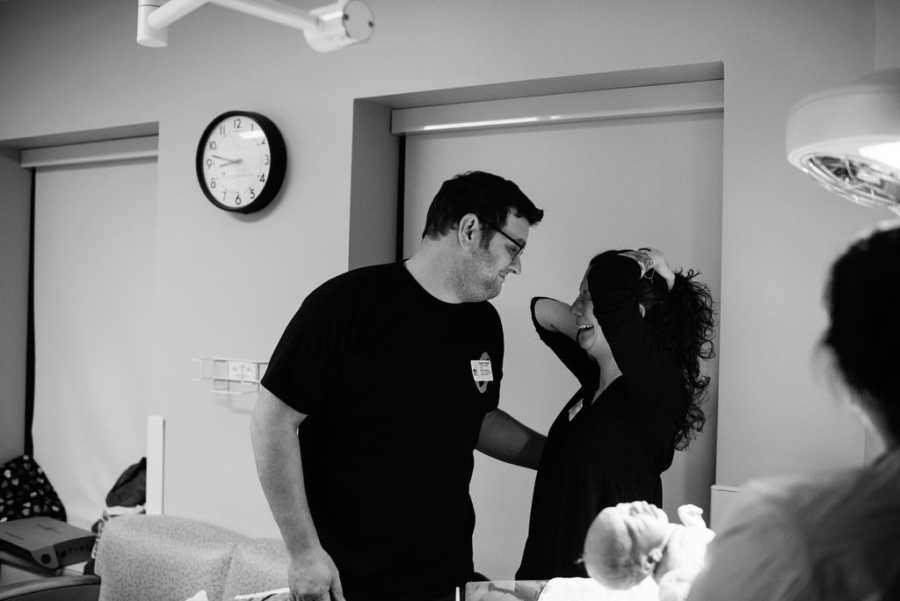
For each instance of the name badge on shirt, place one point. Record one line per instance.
(481, 370)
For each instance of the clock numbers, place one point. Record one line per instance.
(236, 161)
(240, 161)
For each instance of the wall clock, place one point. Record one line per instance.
(241, 160)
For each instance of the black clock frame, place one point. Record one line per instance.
(277, 168)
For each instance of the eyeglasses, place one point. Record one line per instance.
(520, 248)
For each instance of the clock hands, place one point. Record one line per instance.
(227, 161)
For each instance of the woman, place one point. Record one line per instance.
(831, 536)
(634, 339)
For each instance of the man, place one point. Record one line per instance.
(390, 377)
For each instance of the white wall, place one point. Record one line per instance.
(780, 232)
(373, 191)
(228, 284)
(15, 203)
(887, 34)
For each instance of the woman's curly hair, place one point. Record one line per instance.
(684, 318)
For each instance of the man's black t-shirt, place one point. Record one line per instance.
(384, 371)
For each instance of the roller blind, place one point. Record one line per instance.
(94, 286)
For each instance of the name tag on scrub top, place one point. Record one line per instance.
(574, 409)
(481, 370)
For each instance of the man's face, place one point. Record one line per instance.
(488, 266)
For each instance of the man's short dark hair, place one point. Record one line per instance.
(490, 197)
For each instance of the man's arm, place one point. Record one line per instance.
(273, 433)
(503, 437)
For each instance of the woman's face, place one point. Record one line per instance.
(590, 336)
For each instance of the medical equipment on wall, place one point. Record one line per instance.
(231, 376)
(848, 138)
(326, 28)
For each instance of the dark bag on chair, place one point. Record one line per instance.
(127, 496)
(131, 487)
(25, 491)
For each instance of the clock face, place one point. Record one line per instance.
(241, 161)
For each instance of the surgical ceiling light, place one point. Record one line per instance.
(848, 138)
(326, 28)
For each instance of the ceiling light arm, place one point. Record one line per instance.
(326, 28)
(269, 10)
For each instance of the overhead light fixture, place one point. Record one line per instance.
(848, 138)
(326, 28)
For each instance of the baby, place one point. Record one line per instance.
(631, 541)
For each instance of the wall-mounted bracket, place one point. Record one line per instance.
(326, 28)
(231, 376)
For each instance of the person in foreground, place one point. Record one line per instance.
(634, 338)
(390, 376)
(837, 535)
(630, 542)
